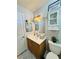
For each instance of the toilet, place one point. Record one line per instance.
(55, 50)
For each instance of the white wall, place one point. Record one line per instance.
(24, 11)
(43, 12)
(22, 15)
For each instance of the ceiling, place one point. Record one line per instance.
(32, 5)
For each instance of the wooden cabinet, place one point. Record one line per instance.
(36, 49)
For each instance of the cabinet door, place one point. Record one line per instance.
(52, 21)
(54, 16)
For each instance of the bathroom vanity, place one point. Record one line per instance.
(36, 45)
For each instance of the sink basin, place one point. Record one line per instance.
(36, 38)
(42, 36)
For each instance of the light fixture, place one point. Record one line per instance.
(37, 18)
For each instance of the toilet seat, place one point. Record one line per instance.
(51, 55)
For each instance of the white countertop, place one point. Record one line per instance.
(35, 38)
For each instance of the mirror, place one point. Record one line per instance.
(36, 26)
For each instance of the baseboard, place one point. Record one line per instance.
(22, 52)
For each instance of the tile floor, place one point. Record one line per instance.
(26, 55)
(29, 55)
